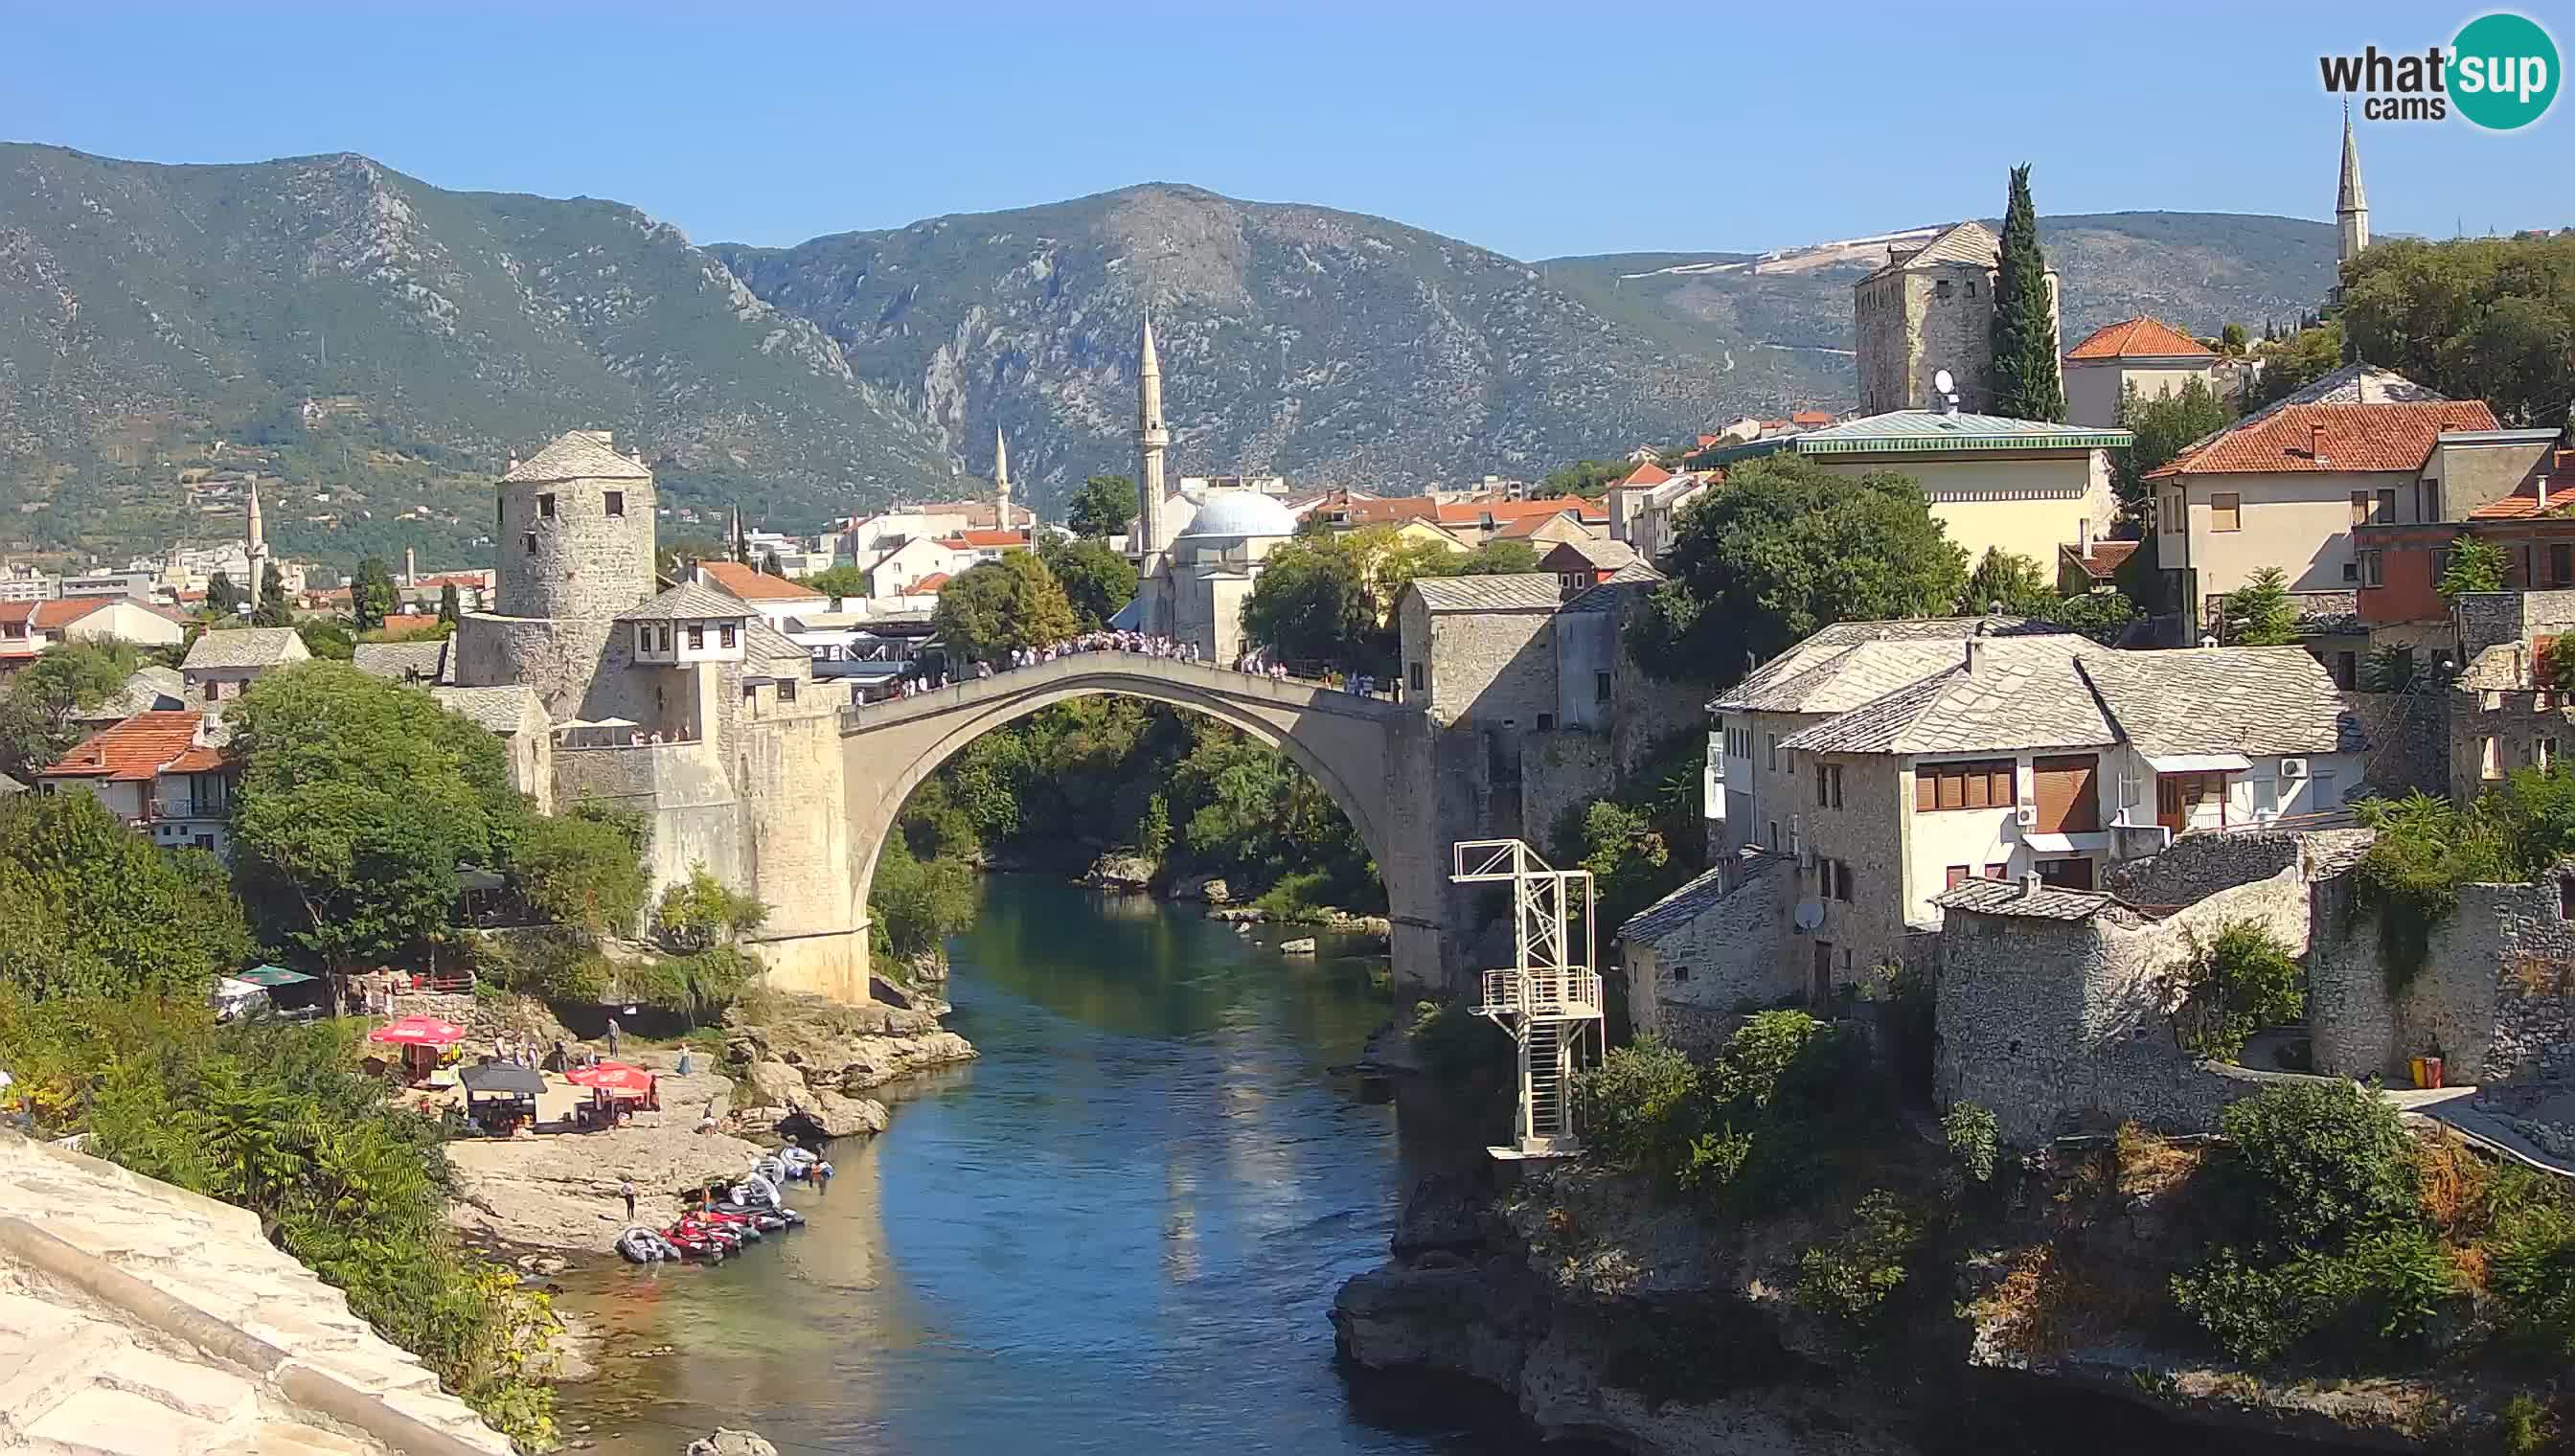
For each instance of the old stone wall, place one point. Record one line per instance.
(2409, 735)
(2489, 619)
(2494, 731)
(1687, 985)
(2495, 998)
(2060, 1025)
(1492, 668)
(2196, 867)
(796, 851)
(567, 662)
(695, 810)
(1866, 832)
(1561, 773)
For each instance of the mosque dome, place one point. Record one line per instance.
(1240, 512)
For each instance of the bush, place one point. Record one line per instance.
(2315, 1164)
(1639, 1101)
(2240, 982)
(581, 871)
(2531, 1270)
(701, 910)
(1975, 1138)
(2524, 1428)
(2370, 1301)
(1850, 1280)
(1299, 895)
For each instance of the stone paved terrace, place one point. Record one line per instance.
(137, 1319)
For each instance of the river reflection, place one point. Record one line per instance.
(1117, 1231)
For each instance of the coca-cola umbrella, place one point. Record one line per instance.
(419, 1031)
(614, 1077)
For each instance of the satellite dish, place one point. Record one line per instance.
(1941, 380)
(1810, 914)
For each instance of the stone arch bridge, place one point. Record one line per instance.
(1372, 756)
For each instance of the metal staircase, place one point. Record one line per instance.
(1550, 1001)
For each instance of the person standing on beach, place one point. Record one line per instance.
(626, 1186)
(612, 1036)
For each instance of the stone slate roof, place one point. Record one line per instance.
(689, 602)
(1853, 663)
(404, 662)
(1632, 578)
(148, 690)
(1599, 551)
(1967, 242)
(246, 646)
(2030, 692)
(2253, 701)
(577, 455)
(2011, 897)
(501, 709)
(763, 643)
(1687, 903)
(1518, 591)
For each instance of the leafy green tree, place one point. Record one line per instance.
(2102, 615)
(222, 596)
(451, 605)
(88, 906)
(2241, 981)
(326, 641)
(989, 609)
(839, 582)
(579, 872)
(1589, 478)
(2475, 565)
(2259, 613)
(2231, 340)
(39, 703)
(703, 911)
(769, 566)
(2010, 583)
(1102, 507)
(1786, 548)
(359, 801)
(2027, 385)
(916, 905)
(1096, 580)
(372, 597)
(1493, 558)
(276, 607)
(1331, 597)
(2162, 427)
(2474, 318)
(2296, 362)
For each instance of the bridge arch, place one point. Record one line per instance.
(1356, 747)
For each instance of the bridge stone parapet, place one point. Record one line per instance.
(1379, 761)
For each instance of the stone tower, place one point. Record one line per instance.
(1001, 482)
(2351, 203)
(575, 531)
(255, 546)
(1152, 439)
(1928, 309)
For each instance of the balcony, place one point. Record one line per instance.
(1560, 995)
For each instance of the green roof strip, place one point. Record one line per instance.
(1928, 431)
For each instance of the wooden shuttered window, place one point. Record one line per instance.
(1982, 783)
(2064, 791)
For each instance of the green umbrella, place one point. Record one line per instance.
(272, 975)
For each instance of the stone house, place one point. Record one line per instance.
(2507, 488)
(1891, 769)
(2293, 484)
(2147, 353)
(1709, 950)
(1585, 562)
(165, 774)
(224, 663)
(2506, 710)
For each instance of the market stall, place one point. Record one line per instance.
(501, 1099)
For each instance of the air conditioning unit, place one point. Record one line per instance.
(2293, 767)
(2026, 815)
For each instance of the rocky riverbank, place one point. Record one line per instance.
(1606, 1313)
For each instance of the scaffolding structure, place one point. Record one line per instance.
(1549, 999)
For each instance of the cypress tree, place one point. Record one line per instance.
(2027, 385)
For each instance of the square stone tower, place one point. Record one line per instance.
(1928, 309)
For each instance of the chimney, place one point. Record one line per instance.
(1975, 654)
(2316, 444)
(411, 567)
(2543, 495)
(2029, 883)
(2083, 537)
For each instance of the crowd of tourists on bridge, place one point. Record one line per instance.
(1258, 662)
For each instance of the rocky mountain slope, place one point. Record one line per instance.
(377, 345)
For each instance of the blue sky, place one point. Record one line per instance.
(1537, 131)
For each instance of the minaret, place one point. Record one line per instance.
(1000, 481)
(2351, 204)
(255, 546)
(1151, 440)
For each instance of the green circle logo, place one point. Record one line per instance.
(2503, 71)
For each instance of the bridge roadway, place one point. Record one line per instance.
(1372, 755)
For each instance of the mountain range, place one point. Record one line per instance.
(374, 347)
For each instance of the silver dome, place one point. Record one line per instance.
(1240, 512)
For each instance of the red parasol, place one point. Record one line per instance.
(611, 1076)
(419, 1031)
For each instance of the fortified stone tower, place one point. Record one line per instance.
(575, 531)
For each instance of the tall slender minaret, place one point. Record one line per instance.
(1151, 440)
(255, 546)
(1000, 481)
(2351, 204)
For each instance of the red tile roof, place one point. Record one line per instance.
(1474, 511)
(931, 583)
(748, 585)
(1525, 526)
(2380, 437)
(55, 616)
(2140, 335)
(2523, 503)
(1650, 474)
(409, 621)
(1392, 509)
(138, 749)
(1705, 441)
(1811, 416)
(983, 539)
(2105, 559)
